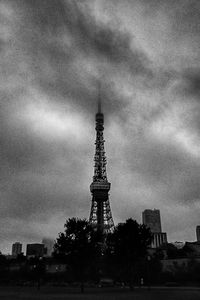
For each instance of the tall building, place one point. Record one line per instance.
(100, 214)
(16, 249)
(151, 218)
(198, 233)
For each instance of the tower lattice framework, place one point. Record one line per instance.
(100, 214)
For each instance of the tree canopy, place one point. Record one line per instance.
(78, 246)
(82, 248)
(127, 247)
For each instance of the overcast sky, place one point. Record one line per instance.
(146, 56)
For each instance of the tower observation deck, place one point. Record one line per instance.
(100, 214)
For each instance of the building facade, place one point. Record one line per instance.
(159, 238)
(35, 250)
(151, 218)
(16, 249)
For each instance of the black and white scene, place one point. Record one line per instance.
(100, 149)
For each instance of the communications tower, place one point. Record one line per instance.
(100, 214)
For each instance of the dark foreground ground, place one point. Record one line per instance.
(57, 293)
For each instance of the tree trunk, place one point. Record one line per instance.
(131, 281)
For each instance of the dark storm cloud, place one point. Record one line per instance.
(190, 83)
(33, 197)
(183, 16)
(20, 150)
(186, 18)
(55, 33)
(166, 166)
(33, 183)
(115, 45)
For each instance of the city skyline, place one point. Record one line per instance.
(145, 54)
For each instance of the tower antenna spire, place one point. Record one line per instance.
(99, 97)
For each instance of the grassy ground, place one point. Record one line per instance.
(58, 293)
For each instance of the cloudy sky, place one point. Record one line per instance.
(145, 54)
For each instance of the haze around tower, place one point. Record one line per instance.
(51, 53)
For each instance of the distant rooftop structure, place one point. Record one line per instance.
(178, 245)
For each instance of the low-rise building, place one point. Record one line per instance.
(35, 250)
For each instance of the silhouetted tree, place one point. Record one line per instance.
(127, 248)
(36, 267)
(21, 257)
(3, 267)
(78, 246)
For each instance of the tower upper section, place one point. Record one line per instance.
(100, 177)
